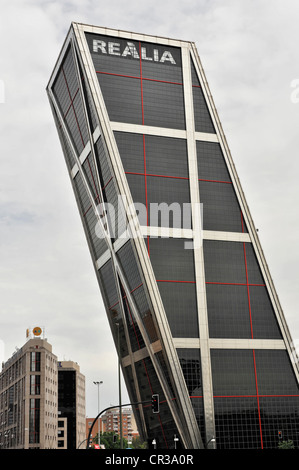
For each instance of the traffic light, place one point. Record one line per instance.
(279, 435)
(155, 403)
(114, 438)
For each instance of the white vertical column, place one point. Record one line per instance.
(198, 250)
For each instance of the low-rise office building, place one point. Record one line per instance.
(30, 405)
(71, 406)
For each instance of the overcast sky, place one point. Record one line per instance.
(250, 53)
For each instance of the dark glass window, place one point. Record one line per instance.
(228, 311)
(233, 372)
(252, 266)
(168, 202)
(191, 367)
(166, 156)
(180, 303)
(131, 151)
(122, 97)
(275, 375)
(91, 223)
(221, 210)
(224, 262)
(280, 420)
(237, 423)
(90, 173)
(34, 421)
(153, 155)
(146, 312)
(173, 267)
(170, 259)
(68, 154)
(141, 82)
(138, 192)
(157, 172)
(203, 121)
(255, 397)
(211, 163)
(264, 323)
(127, 258)
(108, 283)
(161, 426)
(34, 384)
(163, 104)
(35, 358)
(68, 96)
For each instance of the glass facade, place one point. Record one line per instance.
(201, 327)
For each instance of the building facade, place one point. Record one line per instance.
(114, 422)
(98, 427)
(191, 304)
(71, 405)
(28, 397)
(111, 422)
(42, 401)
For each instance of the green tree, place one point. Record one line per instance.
(286, 445)
(138, 443)
(109, 442)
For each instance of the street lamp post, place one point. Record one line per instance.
(213, 440)
(119, 388)
(99, 421)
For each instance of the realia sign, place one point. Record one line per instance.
(129, 49)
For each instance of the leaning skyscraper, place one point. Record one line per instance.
(188, 294)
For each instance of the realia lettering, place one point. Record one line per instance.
(130, 50)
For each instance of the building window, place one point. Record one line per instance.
(34, 420)
(34, 384)
(35, 361)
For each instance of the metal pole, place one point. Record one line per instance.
(110, 408)
(99, 433)
(119, 389)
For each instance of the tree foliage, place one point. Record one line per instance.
(286, 445)
(109, 441)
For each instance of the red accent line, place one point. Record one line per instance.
(247, 396)
(162, 81)
(107, 183)
(95, 187)
(70, 104)
(87, 210)
(158, 176)
(132, 321)
(220, 283)
(278, 396)
(144, 152)
(135, 288)
(124, 297)
(175, 177)
(141, 85)
(117, 75)
(145, 184)
(73, 107)
(253, 351)
(215, 181)
(171, 280)
(138, 78)
(258, 400)
(247, 283)
(235, 284)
